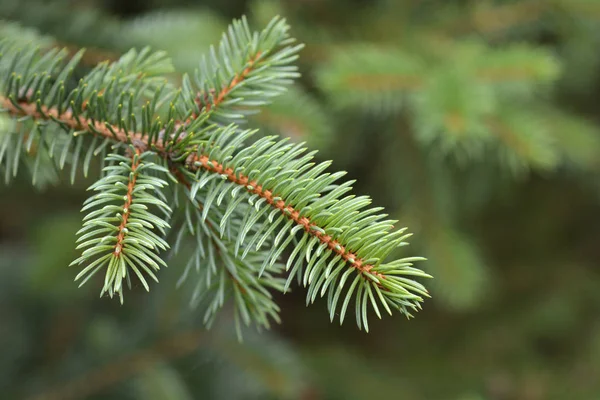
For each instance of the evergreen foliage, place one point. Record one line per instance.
(472, 122)
(251, 199)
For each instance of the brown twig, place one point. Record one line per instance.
(237, 79)
(135, 163)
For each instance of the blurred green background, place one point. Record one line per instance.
(475, 123)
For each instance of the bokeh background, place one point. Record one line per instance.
(475, 123)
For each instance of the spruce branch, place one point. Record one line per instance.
(266, 195)
(245, 72)
(192, 163)
(122, 237)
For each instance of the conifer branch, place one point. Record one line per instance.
(135, 245)
(192, 163)
(289, 199)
